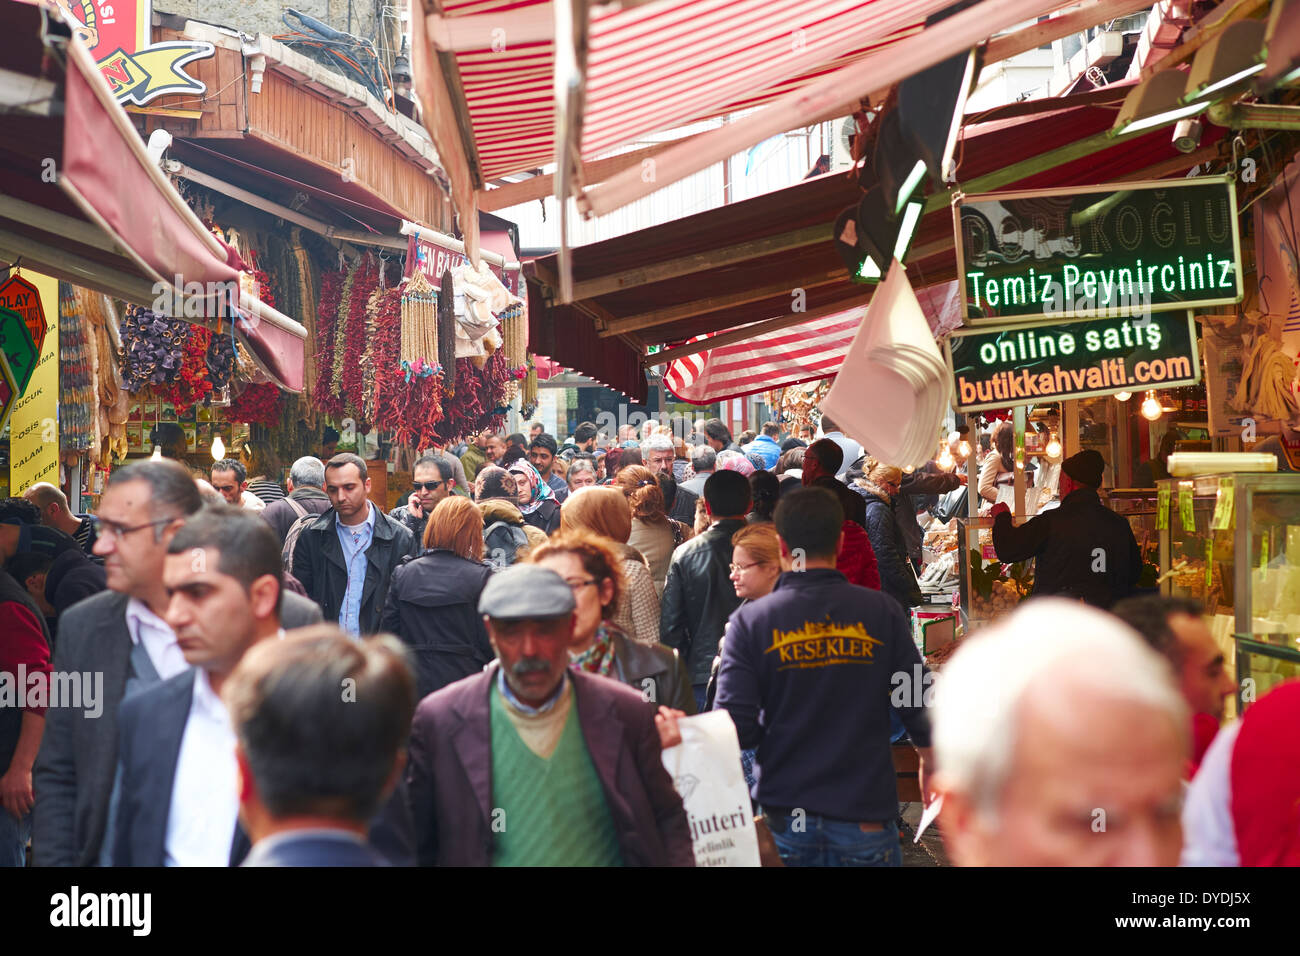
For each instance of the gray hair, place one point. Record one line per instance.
(579, 465)
(172, 491)
(308, 472)
(704, 459)
(321, 719)
(1053, 642)
(657, 442)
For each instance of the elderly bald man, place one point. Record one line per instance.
(1060, 740)
(55, 513)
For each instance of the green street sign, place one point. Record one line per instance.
(1085, 252)
(17, 345)
(8, 391)
(996, 367)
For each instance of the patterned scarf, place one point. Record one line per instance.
(598, 658)
(541, 491)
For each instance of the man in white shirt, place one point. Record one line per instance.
(120, 634)
(179, 799)
(852, 450)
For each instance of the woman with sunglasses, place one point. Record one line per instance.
(591, 566)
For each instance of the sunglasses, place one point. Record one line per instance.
(427, 485)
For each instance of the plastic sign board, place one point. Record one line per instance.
(18, 347)
(118, 35)
(21, 296)
(1127, 249)
(1027, 364)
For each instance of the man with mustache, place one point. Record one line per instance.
(532, 764)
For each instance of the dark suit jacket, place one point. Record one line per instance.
(450, 773)
(313, 849)
(73, 776)
(152, 726)
(318, 563)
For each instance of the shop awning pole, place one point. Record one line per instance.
(454, 245)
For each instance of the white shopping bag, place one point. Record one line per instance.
(706, 771)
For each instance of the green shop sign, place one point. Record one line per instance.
(1027, 364)
(1128, 249)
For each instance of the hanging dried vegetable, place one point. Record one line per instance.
(419, 349)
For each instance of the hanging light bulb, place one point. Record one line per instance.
(218, 449)
(157, 453)
(945, 459)
(909, 469)
(1123, 396)
(1053, 448)
(963, 449)
(1151, 409)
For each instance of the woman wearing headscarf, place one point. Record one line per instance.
(432, 604)
(591, 568)
(604, 512)
(733, 461)
(536, 499)
(654, 534)
(879, 485)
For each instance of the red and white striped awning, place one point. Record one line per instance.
(800, 353)
(660, 66)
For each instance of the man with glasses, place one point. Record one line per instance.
(433, 479)
(532, 763)
(659, 452)
(119, 633)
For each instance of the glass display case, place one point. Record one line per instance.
(1138, 507)
(1233, 543)
(988, 588)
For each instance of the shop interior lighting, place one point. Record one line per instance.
(1282, 39)
(157, 453)
(1157, 102)
(218, 449)
(1123, 396)
(1151, 408)
(945, 459)
(1053, 448)
(963, 449)
(1230, 59)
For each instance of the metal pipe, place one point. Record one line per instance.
(1255, 116)
(454, 245)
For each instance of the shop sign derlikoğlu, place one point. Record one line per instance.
(1026, 364)
(1128, 249)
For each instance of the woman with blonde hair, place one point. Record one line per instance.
(433, 601)
(654, 534)
(591, 567)
(880, 485)
(604, 512)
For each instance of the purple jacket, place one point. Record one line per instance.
(450, 773)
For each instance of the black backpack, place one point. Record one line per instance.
(300, 524)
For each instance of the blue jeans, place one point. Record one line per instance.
(13, 838)
(825, 842)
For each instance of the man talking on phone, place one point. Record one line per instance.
(433, 478)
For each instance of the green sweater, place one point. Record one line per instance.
(473, 459)
(552, 811)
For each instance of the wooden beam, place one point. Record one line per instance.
(646, 320)
(1210, 26)
(714, 258)
(745, 333)
(1061, 25)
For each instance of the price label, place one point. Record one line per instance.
(1223, 506)
(1185, 513)
(1162, 509)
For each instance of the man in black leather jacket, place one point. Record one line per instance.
(699, 595)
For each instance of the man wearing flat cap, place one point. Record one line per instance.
(1083, 549)
(531, 763)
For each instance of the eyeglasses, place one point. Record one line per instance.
(576, 585)
(427, 485)
(745, 567)
(108, 529)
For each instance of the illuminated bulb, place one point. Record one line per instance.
(908, 470)
(157, 453)
(945, 459)
(218, 449)
(1151, 409)
(1123, 396)
(1053, 448)
(963, 449)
